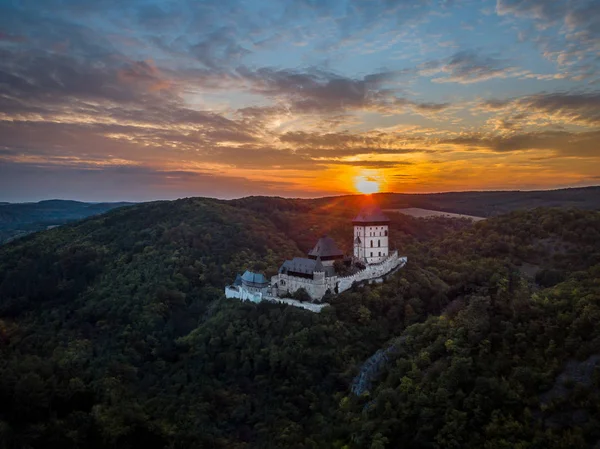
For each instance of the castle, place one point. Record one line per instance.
(316, 274)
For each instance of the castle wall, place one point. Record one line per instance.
(292, 302)
(242, 293)
(372, 272)
(316, 288)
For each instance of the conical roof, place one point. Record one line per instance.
(370, 214)
(254, 278)
(326, 247)
(319, 265)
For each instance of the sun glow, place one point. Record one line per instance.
(366, 185)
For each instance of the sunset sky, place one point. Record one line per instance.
(140, 100)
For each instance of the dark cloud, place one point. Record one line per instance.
(466, 67)
(220, 48)
(345, 144)
(321, 91)
(562, 142)
(34, 79)
(313, 91)
(581, 108)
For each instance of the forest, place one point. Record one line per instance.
(115, 333)
(19, 219)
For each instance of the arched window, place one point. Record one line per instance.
(371, 243)
(379, 243)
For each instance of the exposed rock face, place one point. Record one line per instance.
(575, 374)
(373, 366)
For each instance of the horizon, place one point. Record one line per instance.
(146, 101)
(357, 194)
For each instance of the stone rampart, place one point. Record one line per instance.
(242, 293)
(372, 272)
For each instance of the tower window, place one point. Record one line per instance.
(379, 253)
(379, 243)
(371, 253)
(371, 243)
(386, 233)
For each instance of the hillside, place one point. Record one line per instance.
(19, 219)
(486, 203)
(114, 333)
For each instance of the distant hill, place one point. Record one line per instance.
(485, 203)
(488, 204)
(19, 219)
(115, 333)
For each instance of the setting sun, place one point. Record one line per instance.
(366, 185)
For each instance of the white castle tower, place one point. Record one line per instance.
(371, 235)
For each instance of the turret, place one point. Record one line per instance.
(319, 271)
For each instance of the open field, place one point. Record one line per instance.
(426, 213)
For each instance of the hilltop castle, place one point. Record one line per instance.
(316, 274)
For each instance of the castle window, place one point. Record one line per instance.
(371, 243)
(371, 253)
(379, 253)
(379, 243)
(386, 233)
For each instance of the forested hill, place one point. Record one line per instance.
(114, 333)
(20, 219)
(488, 203)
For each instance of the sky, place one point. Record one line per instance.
(106, 100)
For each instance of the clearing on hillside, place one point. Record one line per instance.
(427, 213)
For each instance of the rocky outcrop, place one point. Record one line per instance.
(373, 366)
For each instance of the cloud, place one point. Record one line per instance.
(320, 91)
(34, 80)
(11, 37)
(467, 67)
(373, 164)
(563, 143)
(274, 89)
(580, 108)
(537, 9)
(315, 90)
(568, 31)
(345, 144)
(219, 49)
